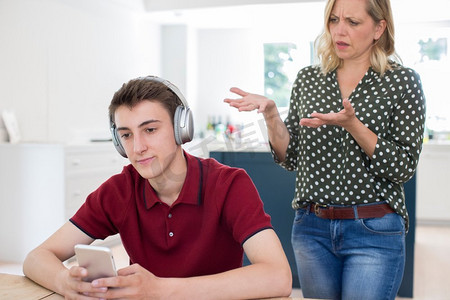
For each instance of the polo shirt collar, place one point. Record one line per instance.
(191, 190)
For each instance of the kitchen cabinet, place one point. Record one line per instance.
(42, 186)
(86, 167)
(433, 173)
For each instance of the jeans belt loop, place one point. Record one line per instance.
(355, 209)
(308, 209)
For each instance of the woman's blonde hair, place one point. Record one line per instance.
(383, 49)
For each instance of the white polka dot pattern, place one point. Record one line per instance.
(330, 165)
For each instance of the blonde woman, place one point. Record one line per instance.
(353, 134)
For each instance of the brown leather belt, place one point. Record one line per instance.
(348, 212)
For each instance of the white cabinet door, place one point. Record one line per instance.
(43, 185)
(433, 183)
(31, 196)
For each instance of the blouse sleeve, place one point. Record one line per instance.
(292, 122)
(397, 154)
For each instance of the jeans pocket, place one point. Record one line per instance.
(299, 214)
(389, 224)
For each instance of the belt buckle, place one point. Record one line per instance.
(317, 208)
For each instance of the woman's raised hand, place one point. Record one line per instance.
(249, 101)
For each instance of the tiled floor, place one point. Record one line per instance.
(431, 264)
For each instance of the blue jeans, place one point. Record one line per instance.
(349, 259)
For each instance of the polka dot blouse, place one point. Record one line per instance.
(331, 167)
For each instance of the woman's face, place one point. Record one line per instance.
(353, 31)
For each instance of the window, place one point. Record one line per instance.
(278, 77)
(434, 69)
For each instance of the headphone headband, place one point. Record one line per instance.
(170, 85)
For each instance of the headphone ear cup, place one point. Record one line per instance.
(183, 125)
(116, 141)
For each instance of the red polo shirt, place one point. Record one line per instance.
(202, 233)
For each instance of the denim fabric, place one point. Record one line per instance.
(349, 259)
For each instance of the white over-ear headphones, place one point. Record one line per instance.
(183, 122)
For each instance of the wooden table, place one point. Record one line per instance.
(13, 287)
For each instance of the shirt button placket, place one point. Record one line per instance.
(169, 216)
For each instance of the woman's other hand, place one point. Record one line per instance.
(344, 118)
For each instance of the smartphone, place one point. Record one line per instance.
(98, 261)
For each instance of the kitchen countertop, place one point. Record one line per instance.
(202, 147)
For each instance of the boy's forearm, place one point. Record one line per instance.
(44, 268)
(249, 282)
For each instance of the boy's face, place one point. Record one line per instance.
(146, 133)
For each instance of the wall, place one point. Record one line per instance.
(227, 58)
(174, 41)
(61, 62)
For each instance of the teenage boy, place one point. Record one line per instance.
(184, 221)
